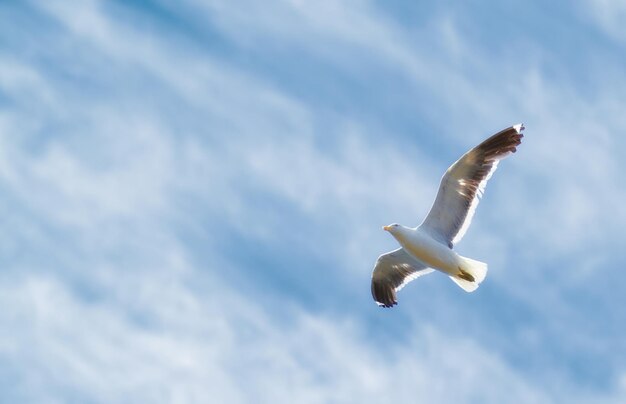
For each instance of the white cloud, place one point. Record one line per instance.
(198, 346)
(609, 15)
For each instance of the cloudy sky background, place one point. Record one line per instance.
(191, 197)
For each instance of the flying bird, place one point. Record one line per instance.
(429, 246)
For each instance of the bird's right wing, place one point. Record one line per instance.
(392, 271)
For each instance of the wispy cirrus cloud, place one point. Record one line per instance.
(170, 356)
(159, 189)
(608, 14)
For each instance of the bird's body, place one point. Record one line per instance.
(429, 246)
(423, 247)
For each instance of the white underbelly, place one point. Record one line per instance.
(432, 253)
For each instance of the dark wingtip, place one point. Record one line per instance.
(519, 128)
(383, 295)
(503, 142)
(386, 303)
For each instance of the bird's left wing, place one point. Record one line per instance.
(392, 271)
(463, 184)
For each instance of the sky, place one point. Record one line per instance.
(192, 195)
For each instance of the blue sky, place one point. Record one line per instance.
(192, 196)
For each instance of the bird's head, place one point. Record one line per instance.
(392, 228)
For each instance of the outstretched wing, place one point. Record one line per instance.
(463, 185)
(392, 271)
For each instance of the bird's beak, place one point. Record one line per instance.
(386, 228)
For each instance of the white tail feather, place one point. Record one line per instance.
(477, 270)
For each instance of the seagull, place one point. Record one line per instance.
(428, 247)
